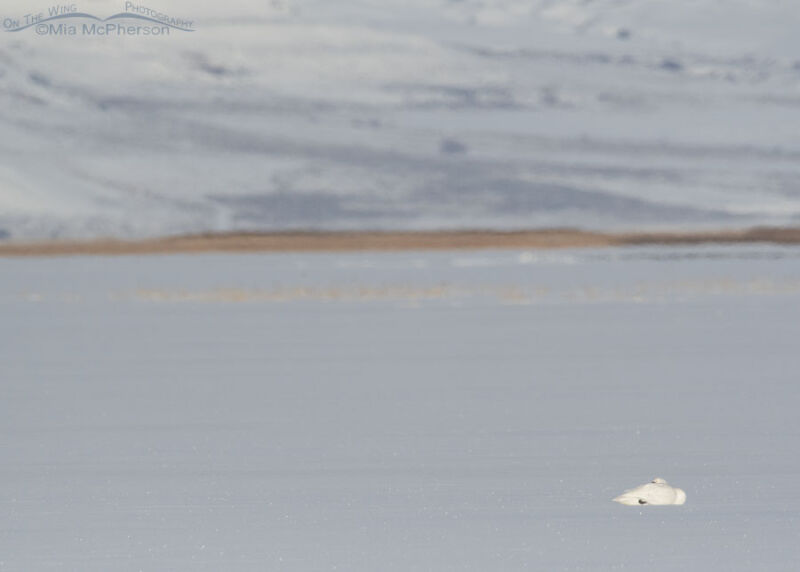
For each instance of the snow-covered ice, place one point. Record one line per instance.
(410, 411)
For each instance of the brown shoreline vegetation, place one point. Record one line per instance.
(312, 241)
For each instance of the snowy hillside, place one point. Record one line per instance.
(418, 114)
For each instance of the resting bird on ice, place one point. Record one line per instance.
(656, 492)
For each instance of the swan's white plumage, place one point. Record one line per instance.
(657, 492)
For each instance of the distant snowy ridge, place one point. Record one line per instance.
(405, 115)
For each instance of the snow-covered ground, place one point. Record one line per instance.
(410, 411)
(403, 114)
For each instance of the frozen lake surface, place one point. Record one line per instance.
(410, 411)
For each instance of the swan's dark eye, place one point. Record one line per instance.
(642, 501)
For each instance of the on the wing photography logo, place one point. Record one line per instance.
(66, 20)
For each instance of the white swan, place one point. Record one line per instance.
(656, 492)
